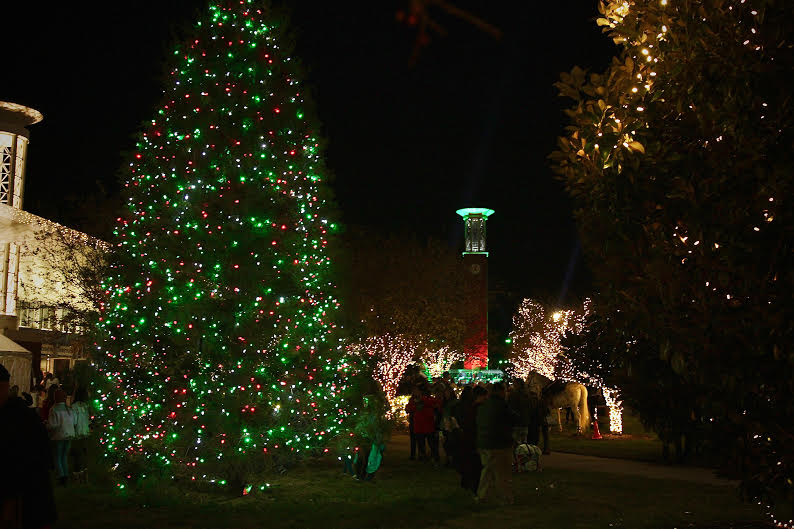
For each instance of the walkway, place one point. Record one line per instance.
(634, 468)
(566, 461)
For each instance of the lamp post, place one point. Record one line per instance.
(475, 261)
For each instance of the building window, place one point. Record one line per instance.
(47, 317)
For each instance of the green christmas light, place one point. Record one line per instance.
(209, 350)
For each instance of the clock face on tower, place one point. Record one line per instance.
(475, 269)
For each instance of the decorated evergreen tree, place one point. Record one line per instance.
(219, 351)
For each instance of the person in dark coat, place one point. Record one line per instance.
(25, 489)
(518, 400)
(463, 404)
(467, 460)
(538, 421)
(415, 395)
(495, 422)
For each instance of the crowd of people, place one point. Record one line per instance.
(486, 431)
(45, 431)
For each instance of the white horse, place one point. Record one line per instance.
(558, 394)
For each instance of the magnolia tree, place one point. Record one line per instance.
(678, 158)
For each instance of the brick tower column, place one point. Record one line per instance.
(475, 261)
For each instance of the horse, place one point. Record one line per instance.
(557, 394)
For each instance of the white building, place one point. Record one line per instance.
(39, 294)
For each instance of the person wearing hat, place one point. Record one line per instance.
(26, 499)
(60, 424)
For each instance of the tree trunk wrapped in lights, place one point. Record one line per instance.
(219, 340)
(389, 357)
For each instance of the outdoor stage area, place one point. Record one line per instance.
(573, 491)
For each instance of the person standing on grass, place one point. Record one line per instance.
(423, 409)
(467, 460)
(538, 420)
(437, 394)
(81, 434)
(518, 400)
(60, 424)
(371, 431)
(449, 425)
(26, 499)
(495, 423)
(463, 405)
(416, 395)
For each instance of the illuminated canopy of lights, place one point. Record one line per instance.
(536, 346)
(392, 354)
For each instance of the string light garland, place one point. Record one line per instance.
(39, 225)
(615, 407)
(218, 337)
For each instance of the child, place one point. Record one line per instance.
(373, 430)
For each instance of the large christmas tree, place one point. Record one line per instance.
(218, 351)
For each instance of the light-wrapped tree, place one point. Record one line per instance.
(219, 341)
(536, 339)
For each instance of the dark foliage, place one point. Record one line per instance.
(683, 190)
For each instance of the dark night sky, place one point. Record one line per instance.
(470, 124)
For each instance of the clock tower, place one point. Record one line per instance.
(475, 261)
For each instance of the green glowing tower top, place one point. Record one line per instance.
(474, 220)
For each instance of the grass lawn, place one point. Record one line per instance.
(416, 495)
(636, 443)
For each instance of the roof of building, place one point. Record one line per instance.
(20, 226)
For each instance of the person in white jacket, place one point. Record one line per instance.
(60, 424)
(81, 433)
